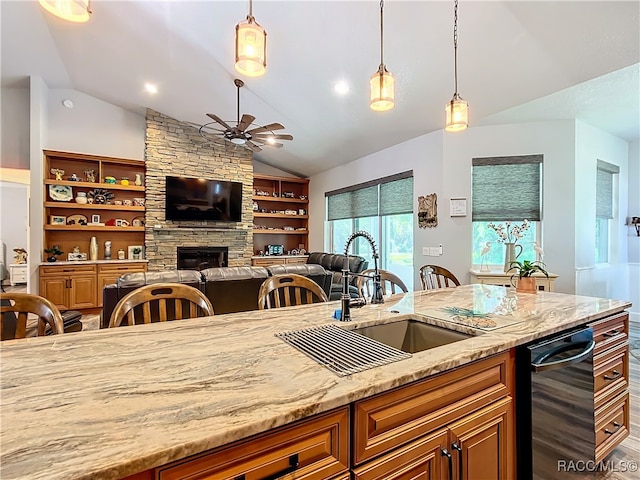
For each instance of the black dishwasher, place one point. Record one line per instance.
(554, 406)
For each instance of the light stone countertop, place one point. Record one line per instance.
(110, 403)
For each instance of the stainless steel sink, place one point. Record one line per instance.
(411, 336)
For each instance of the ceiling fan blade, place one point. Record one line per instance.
(279, 136)
(245, 121)
(266, 128)
(219, 120)
(253, 146)
(208, 126)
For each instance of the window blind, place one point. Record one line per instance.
(604, 189)
(507, 188)
(384, 196)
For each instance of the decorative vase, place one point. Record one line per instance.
(93, 248)
(52, 258)
(510, 254)
(526, 285)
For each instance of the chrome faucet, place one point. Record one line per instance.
(347, 301)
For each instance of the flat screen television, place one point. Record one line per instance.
(202, 199)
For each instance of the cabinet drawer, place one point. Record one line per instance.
(610, 373)
(19, 277)
(266, 262)
(612, 425)
(393, 418)
(122, 267)
(297, 260)
(610, 331)
(320, 446)
(67, 270)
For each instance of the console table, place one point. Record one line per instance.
(498, 277)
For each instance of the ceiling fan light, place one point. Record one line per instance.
(238, 140)
(77, 11)
(382, 86)
(457, 114)
(251, 48)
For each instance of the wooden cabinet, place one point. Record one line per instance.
(467, 414)
(69, 287)
(280, 212)
(79, 286)
(611, 383)
(108, 273)
(67, 219)
(312, 449)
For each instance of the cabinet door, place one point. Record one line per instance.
(483, 444)
(109, 275)
(82, 292)
(55, 290)
(424, 459)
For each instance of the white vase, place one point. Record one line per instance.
(93, 248)
(510, 254)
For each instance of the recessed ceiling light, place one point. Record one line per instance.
(341, 88)
(67, 103)
(150, 88)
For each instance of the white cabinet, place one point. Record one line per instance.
(17, 273)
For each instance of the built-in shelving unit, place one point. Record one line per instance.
(280, 212)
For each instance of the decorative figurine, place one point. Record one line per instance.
(90, 175)
(74, 178)
(111, 180)
(100, 196)
(57, 172)
(138, 181)
(20, 256)
(107, 250)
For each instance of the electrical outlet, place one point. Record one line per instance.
(434, 251)
(425, 251)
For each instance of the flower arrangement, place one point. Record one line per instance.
(510, 233)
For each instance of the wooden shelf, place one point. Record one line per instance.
(82, 206)
(280, 215)
(260, 198)
(91, 228)
(277, 231)
(106, 186)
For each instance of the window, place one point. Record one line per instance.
(604, 208)
(505, 189)
(383, 208)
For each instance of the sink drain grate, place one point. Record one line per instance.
(341, 351)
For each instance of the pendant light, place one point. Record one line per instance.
(251, 46)
(457, 109)
(382, 83)
(71, 10)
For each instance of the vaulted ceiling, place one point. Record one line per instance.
(518, 61)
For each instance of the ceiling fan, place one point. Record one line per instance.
(239, 134)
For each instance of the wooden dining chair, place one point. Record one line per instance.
(433, 277)
(388, 281)
(160, 302)
(14, 312)
(286, 290)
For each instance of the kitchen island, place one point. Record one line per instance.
(112, 403)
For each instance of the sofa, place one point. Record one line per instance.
(230, 289)
(335, 263)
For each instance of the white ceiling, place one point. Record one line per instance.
(517, 61)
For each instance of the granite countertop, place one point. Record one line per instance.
(110, 403)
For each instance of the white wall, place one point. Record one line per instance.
(633, 241)
(14, 128)
(603, 280)
(13, 211)
(93, 126)
(442, 164)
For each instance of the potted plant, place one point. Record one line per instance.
(524, 271)
(53, 253)
(136, 253)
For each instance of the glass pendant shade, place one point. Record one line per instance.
(457, 114)
(251, 48)
(383, 87)
(71, 10)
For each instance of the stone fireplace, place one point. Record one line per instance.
(199, 258)
(174, 148)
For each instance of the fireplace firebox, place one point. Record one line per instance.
(199, 258)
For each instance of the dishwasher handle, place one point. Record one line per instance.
(541, 364)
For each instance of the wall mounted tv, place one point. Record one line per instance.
(202, 199)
